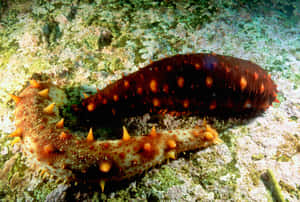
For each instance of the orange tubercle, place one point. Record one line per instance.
(16, 133)
(34, 83)
(105, 166)
(147, 147)
(60, 124)
(126, 135)
(90, 137)
(171, 144)
(91, 107)
(44, 93)
(49, 109)
(17, 99)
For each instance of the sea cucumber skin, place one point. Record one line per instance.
(74, 158)
(195, 83)
(192, 83)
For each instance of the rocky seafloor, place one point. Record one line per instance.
(86, 44)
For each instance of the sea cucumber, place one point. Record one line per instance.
(183, 83)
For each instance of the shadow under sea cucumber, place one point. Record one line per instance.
(185, 83)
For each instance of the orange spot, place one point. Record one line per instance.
(171, 144)
(186, 103)
(274, 94)
(208, 136)
(105, 166)
(116, 97)
(156, 102)
(64, 136)
(147, 147)
(169, 68)
(60, 124)
(139, 90)
(213, 53)
(49, 148)
(165, 88)
(276, 100)
(180, 82)
(196, 133)
(153, 85)
(104, 101)
(113, 111)
(209, 81)
(227, 69)
(262, 88)
(255, 75)
(91, 107)
(243, 83)
(197, 66)
(126, 84)
(213, 105)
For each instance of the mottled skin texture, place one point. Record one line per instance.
(195, 83)
(73, 158)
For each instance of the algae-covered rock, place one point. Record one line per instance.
(85, 45)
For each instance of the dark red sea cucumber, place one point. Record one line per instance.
(195, 83)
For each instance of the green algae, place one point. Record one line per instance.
(152, 186)
(257, 157)
(272, 185)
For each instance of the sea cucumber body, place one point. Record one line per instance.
(70, 157)
(195, 83)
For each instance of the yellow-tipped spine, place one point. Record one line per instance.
(60, 124)
(16, 133)
(44, 93)
(17, 99)
(126, 135)
(90, 137)
(49, 109)
(102, 185)
(171, 155)
(34, 84)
